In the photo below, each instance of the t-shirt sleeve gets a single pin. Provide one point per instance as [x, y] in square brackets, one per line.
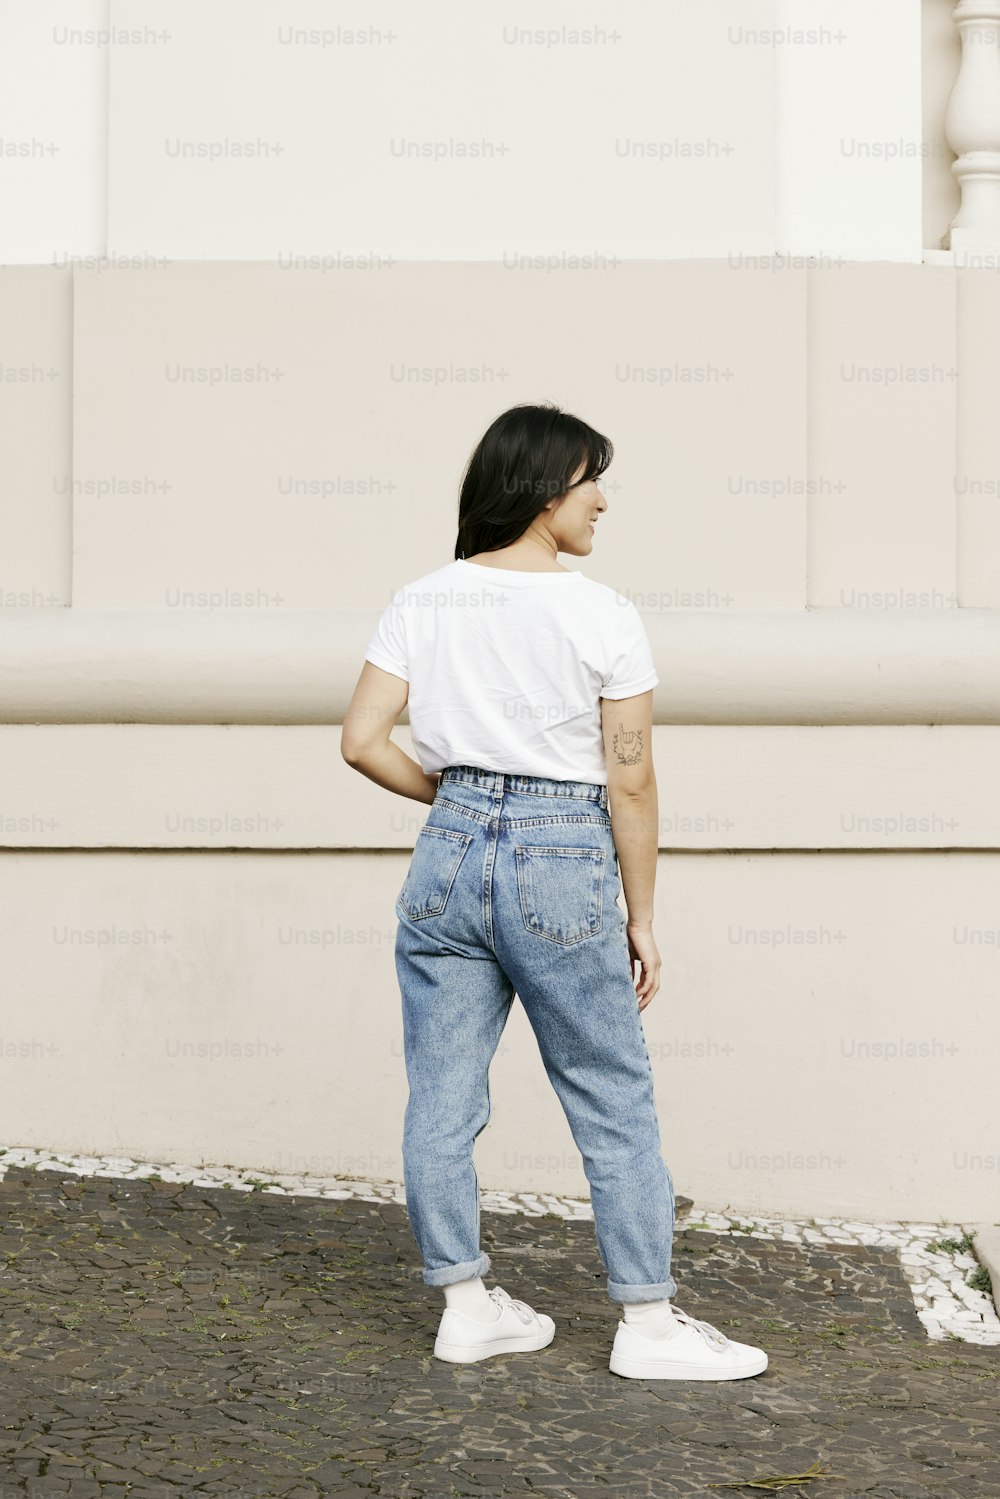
[387, 647]
[631, 668]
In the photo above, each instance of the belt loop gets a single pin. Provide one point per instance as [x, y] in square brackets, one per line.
[604, 798]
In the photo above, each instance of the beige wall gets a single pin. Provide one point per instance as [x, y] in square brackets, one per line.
[821, 1044]
[785, 439]
[196, 948]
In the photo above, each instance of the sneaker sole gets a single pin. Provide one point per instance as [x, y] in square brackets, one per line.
[638, 1368]
[456, 1353]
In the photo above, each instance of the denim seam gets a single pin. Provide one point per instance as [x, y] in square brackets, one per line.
[433, 831]
[443, 801]
[556, 822]
[512, 791]
[570, 820]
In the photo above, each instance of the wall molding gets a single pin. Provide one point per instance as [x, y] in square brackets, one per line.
[819, 666]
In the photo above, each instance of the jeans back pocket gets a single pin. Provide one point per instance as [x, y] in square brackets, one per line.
[437, 854]
[561, 891]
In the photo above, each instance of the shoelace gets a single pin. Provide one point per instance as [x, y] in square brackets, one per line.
[713, 1337]
[500, 1296]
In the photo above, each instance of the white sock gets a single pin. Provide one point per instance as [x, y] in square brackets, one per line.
[653, 1319]
[472, 1299]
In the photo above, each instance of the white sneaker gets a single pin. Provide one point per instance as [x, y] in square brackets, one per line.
[518, 1329]
[697, 1350]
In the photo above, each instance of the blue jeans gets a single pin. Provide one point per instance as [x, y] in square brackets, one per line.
[513, 887]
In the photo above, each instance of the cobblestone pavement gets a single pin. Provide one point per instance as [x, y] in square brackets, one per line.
[162, 1338]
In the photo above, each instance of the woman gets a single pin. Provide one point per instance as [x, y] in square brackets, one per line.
[530, 691]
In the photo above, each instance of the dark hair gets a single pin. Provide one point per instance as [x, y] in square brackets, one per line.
[526, 458]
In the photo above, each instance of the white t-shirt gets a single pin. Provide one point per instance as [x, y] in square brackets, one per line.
[507, 669]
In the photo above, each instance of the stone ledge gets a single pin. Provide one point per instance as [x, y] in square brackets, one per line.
[277, 666]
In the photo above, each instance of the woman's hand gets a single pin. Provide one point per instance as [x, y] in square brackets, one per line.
[642, 949]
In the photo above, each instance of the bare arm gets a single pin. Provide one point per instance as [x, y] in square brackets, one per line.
[379, 698]
[633, 801]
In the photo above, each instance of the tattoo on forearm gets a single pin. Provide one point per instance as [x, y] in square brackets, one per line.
[628, 745]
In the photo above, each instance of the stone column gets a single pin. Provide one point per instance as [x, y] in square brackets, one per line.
[972, 127]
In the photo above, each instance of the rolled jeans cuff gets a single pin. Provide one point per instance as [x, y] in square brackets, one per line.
[448, 1274]
[660, 1291]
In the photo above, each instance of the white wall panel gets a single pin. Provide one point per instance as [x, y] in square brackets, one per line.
[849, 129]
[656, 140]
[53, 129]
[820, 98]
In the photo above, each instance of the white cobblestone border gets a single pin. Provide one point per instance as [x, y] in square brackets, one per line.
[946, 1305]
